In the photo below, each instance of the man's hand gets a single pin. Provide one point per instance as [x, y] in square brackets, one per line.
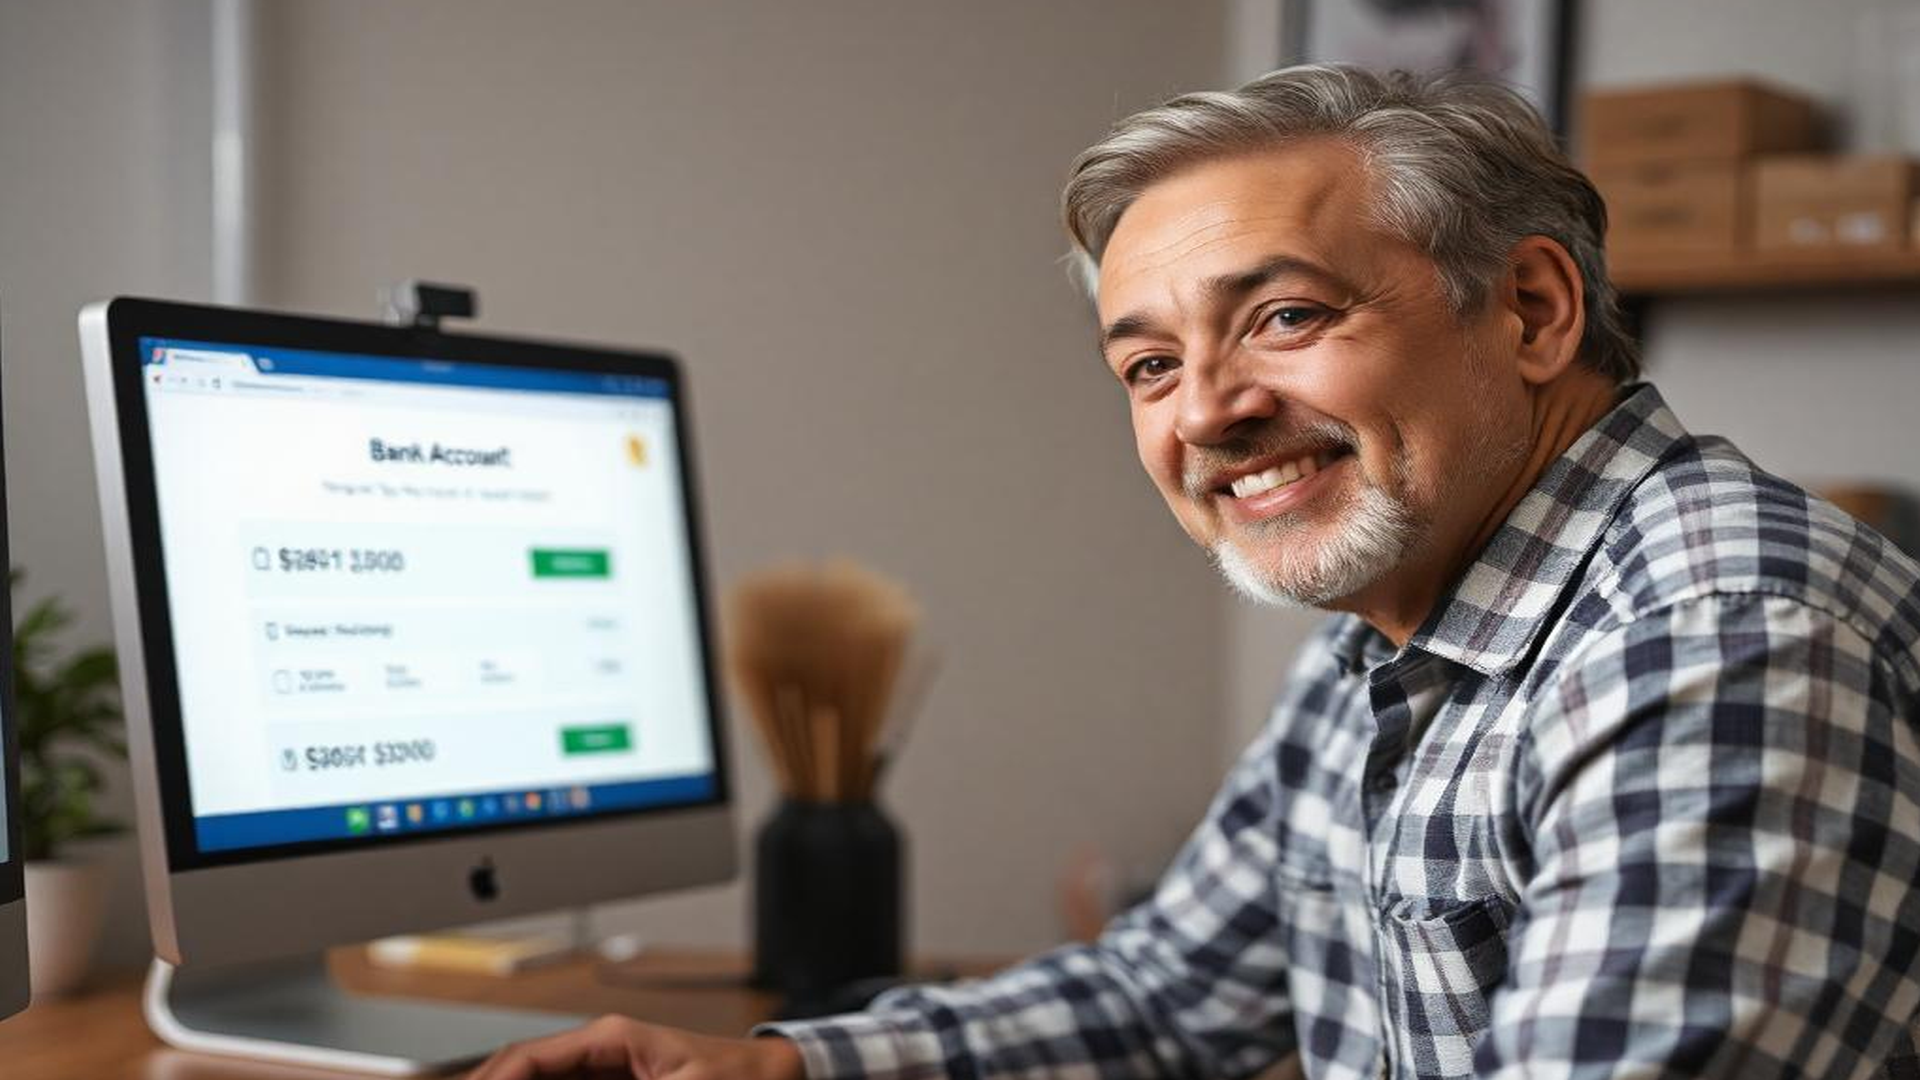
[616, 1048]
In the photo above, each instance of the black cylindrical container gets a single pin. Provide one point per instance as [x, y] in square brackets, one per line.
[827, 904]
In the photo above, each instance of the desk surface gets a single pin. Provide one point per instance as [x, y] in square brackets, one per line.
[100, 1035]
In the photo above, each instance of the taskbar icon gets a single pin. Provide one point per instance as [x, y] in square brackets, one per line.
[464, 810]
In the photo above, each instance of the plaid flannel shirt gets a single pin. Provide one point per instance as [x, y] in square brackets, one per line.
[1638, 800]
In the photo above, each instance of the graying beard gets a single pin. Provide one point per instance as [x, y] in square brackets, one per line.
[1376, 535]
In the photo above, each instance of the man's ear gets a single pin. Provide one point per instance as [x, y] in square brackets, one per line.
[1545, 294]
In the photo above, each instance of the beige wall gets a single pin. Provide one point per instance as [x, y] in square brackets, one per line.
[102, 149]
[841, 213]
[103, 173]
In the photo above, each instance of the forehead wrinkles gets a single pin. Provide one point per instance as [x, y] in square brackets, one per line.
[1196, 232]
[1145, 279]
[1273, 203]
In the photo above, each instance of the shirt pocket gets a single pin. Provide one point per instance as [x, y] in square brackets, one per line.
[1439, 963]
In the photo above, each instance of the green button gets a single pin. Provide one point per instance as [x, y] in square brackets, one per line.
[572, 562]
[599, 739]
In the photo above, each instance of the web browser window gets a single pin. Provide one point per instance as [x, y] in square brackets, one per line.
[409, 595]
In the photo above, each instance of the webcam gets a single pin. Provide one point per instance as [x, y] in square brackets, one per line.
[423, 304]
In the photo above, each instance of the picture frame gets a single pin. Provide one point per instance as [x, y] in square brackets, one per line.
[1526, 43]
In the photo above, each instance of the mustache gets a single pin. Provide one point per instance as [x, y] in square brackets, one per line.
[1270, 441]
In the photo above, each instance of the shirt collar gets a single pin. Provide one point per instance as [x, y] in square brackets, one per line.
[1494, 614]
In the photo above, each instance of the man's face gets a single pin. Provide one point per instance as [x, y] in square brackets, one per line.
[1302, 394]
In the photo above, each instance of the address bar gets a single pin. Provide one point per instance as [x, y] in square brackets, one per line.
[239, 360]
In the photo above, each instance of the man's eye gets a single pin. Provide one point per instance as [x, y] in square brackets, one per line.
[1291, 316]
[1149, 367]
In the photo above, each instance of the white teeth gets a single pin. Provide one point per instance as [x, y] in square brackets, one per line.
[1280, 475]
[1254, 484]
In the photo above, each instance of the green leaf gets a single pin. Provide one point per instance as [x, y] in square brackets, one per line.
[69, 720]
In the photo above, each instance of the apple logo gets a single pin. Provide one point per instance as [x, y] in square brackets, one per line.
[481, 880]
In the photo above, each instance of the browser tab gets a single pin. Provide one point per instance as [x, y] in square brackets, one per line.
[234, 361]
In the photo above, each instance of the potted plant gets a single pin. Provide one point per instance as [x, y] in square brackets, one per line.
[67, 712]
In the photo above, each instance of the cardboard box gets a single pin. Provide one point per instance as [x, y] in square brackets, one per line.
[1687, 209]
[1828, 205]
[1713, 121]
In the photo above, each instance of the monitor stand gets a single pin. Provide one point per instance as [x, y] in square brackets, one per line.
[291, 1011]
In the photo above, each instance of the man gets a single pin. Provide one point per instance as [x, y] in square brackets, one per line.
[1608, 767]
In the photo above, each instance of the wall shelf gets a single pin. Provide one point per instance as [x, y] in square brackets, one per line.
[1645, 278]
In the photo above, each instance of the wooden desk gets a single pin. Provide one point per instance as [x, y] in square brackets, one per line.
[100, 1035]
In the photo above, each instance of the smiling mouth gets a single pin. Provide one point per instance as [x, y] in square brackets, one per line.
[1287, 472]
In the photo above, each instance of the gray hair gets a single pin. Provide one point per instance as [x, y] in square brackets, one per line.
[1462, 167]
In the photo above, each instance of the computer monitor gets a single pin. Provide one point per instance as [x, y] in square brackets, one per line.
[14, 988]
[414, 633]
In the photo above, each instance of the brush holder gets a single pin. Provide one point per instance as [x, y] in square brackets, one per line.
[827, 899]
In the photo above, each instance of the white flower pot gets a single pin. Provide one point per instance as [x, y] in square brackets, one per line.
[66, 900]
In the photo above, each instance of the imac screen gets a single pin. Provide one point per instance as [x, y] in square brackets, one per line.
[410, 596]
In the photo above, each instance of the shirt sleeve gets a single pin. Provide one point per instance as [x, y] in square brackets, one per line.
[1720, 819]
[1189, 983]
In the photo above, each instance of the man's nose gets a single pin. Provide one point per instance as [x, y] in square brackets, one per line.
[1216, 395]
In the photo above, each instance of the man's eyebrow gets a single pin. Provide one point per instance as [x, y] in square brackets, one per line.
[1233, 286]
[1223, 289]
[1126, 326]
